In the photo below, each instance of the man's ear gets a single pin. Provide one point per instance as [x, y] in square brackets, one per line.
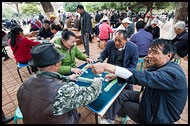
[169, 56]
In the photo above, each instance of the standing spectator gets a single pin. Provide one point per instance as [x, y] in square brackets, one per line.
[60, 17]
[41, 18]
[171, 15]
[129, 12]
[105, 29]
[64, 19]
[68, 22]
[85, 26]
[142, 39]
[154, 29]
[76, 22]
[45, 31]
[97, 17]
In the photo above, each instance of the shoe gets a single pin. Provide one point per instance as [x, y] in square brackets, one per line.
[8, 119]
[104, 121]
[6, 58]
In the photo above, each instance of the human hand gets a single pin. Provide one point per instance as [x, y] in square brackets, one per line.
[97, 68]
[76, 71]
[73, 76]
[48, 39]
[110, 76]
[88, 60]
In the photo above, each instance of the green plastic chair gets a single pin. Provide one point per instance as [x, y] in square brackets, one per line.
[176, 61]
[18, 115]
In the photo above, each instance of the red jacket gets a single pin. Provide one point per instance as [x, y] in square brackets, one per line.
[22, 53]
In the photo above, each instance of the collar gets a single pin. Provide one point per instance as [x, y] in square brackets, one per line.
[54, 74]
[153, 68]
[120, 49]
[178, 36]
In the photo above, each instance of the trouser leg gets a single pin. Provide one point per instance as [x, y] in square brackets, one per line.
[86, 44]
[119, 103]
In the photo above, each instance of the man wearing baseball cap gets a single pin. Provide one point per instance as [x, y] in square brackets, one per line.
[154, 29]
[48, 97]
[128, 26]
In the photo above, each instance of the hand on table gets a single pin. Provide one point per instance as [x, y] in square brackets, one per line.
[73, 76]
[76, 71]
[110, 76]
[97, 68]
[88, 60]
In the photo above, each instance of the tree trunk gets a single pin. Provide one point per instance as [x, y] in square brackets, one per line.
[181, 14]
[48, 9]
[19, 14]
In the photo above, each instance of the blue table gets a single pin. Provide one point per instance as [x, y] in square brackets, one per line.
[105, 99]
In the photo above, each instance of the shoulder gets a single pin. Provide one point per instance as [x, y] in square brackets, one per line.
[131, 44]
[110, 42]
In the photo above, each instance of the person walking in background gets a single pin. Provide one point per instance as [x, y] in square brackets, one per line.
[85, 26]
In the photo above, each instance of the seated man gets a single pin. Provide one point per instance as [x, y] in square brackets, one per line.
[50, 98]
[121, 52]
[181, 40]
[45, 31]
[128, 26]
[142, 39]
[153, 28]
[165, 93]
[66, 45]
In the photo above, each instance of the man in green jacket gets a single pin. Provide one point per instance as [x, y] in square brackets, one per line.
[66, 45]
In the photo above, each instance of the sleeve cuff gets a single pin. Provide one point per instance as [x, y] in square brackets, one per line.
[122, 72]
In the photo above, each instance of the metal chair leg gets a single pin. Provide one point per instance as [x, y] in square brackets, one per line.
[29, 70]
[19, 74]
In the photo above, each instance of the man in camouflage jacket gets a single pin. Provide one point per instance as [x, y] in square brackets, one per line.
[50, 98]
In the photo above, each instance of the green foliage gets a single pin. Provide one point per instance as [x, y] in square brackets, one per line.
[71, 6]
[30, 8]
[7, 12]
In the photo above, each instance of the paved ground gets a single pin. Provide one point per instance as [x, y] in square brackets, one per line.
[11, 82]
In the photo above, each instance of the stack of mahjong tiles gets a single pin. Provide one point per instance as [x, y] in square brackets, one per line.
[109, 88]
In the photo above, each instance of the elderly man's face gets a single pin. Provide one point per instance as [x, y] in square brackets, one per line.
[157, 58]
[178, 30]
[153, 25]
[119, 41]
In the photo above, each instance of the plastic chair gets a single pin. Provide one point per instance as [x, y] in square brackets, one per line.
[140, 61]
[176, 60]
[19, 65]
[18, 115]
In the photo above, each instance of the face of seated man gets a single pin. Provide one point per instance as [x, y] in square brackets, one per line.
[157, 58]
[119, 41]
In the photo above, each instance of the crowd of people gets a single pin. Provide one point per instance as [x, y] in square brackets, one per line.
[51, 95]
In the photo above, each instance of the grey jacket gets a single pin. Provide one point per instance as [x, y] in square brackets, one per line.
[85, 24]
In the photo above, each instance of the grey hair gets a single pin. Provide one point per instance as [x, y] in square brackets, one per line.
[180, 24]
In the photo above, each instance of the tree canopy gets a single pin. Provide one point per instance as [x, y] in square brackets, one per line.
[30, 8]
[71, 6]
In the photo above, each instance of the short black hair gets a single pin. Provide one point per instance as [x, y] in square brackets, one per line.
[47, 21]
[125, 36]
[58, 11]
[140, 24]
[80, 7]
[66, 34]
[168, 46]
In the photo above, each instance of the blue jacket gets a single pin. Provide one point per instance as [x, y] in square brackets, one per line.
[142, 39]
[130, 56]
[165, 93]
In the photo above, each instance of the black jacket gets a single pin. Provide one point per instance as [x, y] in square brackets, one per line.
[155, 32]
[181, 44]
[85, 19]
[45, 33]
